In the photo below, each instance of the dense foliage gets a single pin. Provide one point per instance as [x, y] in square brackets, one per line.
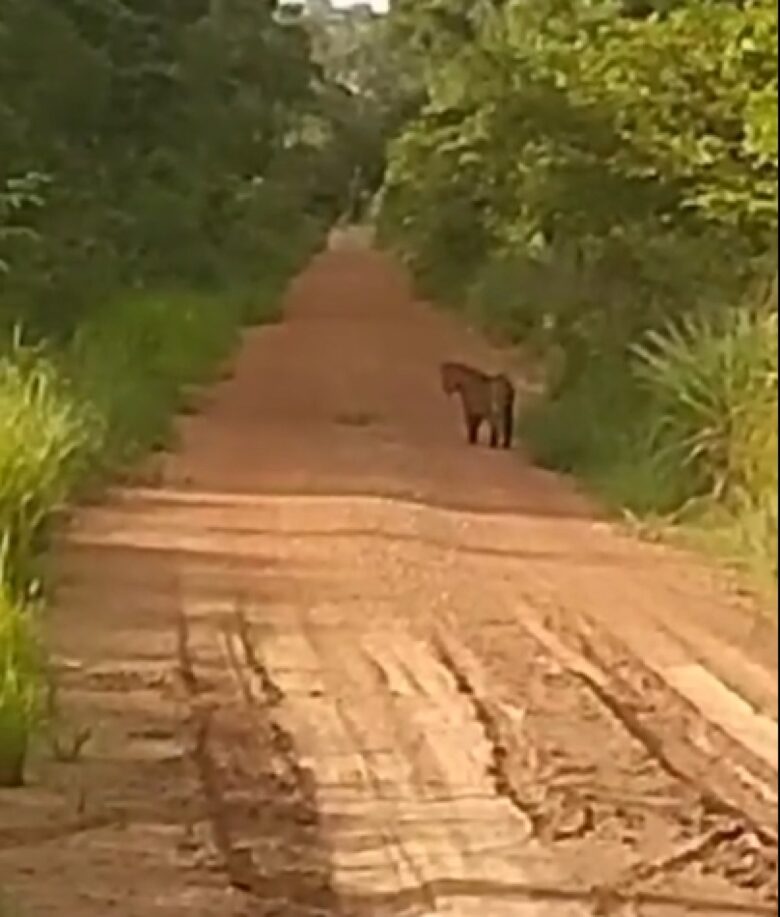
[145, 142]
[622, 145]
[599, 178]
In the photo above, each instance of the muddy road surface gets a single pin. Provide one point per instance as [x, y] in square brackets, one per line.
[331, 661]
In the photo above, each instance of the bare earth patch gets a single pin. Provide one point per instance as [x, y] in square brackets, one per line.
[335, 662]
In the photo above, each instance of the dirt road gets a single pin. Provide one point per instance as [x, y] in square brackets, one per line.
[337, 663]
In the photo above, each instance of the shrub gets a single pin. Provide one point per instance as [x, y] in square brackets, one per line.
[599, 425]
[714, 386]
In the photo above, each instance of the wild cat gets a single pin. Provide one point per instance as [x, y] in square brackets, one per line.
[484, 398]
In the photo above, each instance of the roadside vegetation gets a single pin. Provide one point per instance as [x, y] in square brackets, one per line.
[150, 155]
[597, 182]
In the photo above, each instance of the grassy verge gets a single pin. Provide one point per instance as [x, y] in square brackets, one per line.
[681, 431]
[74, 413]
[132, 362]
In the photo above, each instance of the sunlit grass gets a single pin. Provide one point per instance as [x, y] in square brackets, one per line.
[714, 388]
[47, 439]
[20, 683]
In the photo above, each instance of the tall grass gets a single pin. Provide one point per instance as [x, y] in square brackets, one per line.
[683, 426]
[598, 425]
[132, 360]
[46, 440]
[714, 385]
[20, 684]
[714, 388]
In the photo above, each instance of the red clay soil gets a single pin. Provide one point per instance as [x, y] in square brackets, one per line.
[336, 662]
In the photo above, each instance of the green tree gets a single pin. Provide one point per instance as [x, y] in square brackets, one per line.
[163, 129]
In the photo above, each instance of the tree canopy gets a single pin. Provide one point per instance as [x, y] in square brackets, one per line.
[641, 135]
[154, 144]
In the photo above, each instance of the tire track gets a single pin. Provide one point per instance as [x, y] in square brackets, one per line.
[259, 800]
[433, 836]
